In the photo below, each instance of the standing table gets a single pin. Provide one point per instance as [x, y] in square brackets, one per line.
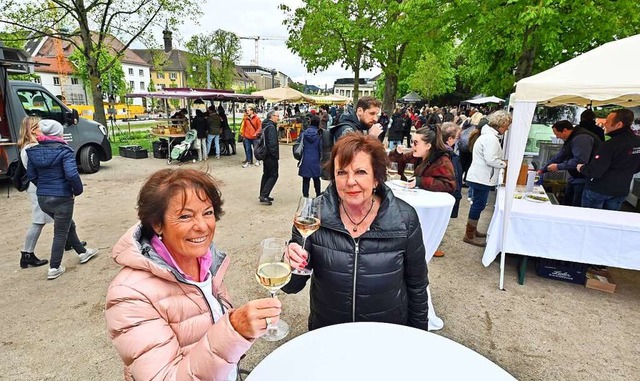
[434, 210]
[374, 352]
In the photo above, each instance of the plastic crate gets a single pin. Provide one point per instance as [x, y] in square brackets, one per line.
[565, 271]
[133, 152]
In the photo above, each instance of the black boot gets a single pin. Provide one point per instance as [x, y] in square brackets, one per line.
[30, 259]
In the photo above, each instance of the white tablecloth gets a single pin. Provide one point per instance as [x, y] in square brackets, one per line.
[372, 352]
[434, 211]
[584, 235]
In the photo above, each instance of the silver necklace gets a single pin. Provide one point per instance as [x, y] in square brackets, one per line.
[355, 225]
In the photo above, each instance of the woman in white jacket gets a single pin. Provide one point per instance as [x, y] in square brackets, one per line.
[482, 176]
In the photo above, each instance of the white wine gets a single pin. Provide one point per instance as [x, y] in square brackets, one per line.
[306, 225]
[273, 276]
[393, 172]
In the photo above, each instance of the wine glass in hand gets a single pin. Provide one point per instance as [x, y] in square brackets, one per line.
[273, 272]
[307, 221]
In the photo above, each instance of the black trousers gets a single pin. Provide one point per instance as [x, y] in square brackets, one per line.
[465, 162]
[305, 186]
[269, 176]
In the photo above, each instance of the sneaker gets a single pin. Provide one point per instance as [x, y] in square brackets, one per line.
[84, 257]
[268, 198]
[54, 273]
[257, 163]
[245, 165]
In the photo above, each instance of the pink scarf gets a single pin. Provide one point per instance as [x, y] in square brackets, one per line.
[45, 138]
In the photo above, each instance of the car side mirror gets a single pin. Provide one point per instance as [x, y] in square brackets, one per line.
[72, 118]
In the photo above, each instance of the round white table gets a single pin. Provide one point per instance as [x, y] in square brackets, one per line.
[434, 211]
[372, 352]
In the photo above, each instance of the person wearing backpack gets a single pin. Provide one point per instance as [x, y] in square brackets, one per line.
[28, 132]
[309, 167]
[53, 169]
[396, 129]
[270, 167]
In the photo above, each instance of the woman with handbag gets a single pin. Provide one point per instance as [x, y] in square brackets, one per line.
[309, 165]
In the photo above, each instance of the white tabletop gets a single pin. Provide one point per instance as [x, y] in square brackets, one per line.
[584, 235]
[434, 211]
[372, 352]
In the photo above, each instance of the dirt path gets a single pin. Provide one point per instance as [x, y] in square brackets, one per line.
[55, 330]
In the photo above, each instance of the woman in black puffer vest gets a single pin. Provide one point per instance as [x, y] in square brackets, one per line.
[368, 257]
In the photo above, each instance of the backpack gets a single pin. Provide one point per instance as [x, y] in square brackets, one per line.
[260, 146]
[298, 147]
[463, 142]
[18, 174]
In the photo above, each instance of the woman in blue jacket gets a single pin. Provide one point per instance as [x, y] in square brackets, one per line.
[53, 169]
[309, 166]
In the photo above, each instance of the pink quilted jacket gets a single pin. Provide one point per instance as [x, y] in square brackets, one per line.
[162, 328]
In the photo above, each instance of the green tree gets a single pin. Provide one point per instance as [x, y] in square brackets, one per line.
[323, 32]
[432, 75]
[110, 78]
[200, 48]
[221, 50]
[504, 41]
[93, 23]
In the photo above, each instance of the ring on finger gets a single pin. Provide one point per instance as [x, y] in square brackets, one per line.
[268, 320]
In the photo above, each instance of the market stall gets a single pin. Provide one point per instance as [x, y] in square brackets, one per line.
[603, 76]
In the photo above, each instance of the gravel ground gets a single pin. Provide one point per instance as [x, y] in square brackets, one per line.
[55, 330]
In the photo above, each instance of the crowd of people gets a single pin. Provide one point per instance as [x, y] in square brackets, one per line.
[368, 256]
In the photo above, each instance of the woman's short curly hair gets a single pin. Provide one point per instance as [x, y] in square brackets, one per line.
[500, 118]
[164, 184]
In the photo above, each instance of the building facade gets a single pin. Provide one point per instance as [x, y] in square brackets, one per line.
[266, 78]
[345, 87]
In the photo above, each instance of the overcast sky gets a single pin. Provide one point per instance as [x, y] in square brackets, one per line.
[248, 18]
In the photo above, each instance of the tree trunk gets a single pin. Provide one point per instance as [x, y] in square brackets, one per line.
[356, 86]
[528, 56]
[96, 96]
[390, 91]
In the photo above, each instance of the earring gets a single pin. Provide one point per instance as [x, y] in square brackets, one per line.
[159, 236]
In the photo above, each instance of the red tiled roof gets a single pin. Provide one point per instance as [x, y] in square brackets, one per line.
[67, 66]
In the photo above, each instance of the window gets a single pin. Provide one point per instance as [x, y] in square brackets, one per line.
[130, 71]
[172, 76]
[160, 75]
[37, 80]
[142, 86]
[141, 73]
[41, 104]
[56, 81]
[132, 85]
[74, 81]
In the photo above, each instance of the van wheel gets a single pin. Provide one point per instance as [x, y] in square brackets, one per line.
[89, 159]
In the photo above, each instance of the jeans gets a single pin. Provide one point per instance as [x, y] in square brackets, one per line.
[32, 237]
[248, 149]
[269, 176]
[216, 140]
[591, 199]
[573, 194]
[305, 186]
[61, 210]
[394, 143]
[480, 197]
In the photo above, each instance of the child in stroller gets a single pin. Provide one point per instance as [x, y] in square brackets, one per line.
[182, 151]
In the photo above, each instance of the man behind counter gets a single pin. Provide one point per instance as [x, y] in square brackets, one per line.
[610, 171]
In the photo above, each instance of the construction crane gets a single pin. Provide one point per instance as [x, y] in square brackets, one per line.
[256, 39]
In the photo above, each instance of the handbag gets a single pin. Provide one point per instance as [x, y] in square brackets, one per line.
[298, 146]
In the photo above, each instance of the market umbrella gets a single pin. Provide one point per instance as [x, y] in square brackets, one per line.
[412, 97]
[283, 94]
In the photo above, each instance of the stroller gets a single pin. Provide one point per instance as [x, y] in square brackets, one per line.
[182, 151]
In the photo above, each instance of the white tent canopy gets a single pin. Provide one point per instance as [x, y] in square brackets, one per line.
[605, 75]
[283, 94]
[483, 100]
[411, 97]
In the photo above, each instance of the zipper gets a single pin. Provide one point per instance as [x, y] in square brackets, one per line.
[355, 276]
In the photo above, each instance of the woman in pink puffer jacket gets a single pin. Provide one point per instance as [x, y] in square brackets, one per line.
[168, 313]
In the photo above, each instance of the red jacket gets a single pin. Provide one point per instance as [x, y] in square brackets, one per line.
[251, 127]
[439, 176]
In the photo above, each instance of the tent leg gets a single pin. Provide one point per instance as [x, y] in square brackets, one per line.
[502, 259]
[522, 269]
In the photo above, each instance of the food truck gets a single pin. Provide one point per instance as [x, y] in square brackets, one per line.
[19, 99]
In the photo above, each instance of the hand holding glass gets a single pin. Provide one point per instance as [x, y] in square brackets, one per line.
[273, 272]
[307, 221]
[408, 173]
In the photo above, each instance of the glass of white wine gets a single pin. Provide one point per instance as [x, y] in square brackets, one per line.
[409, 173]
[273, 272]
[307, 221]
[392, 170]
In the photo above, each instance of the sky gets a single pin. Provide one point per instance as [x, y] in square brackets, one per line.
[248, 18]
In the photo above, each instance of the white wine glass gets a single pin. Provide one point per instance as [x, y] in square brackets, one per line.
[393, 170]
[409, 173]
[307, 221]
[273, 272]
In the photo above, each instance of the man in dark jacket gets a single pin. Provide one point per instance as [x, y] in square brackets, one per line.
[364, 120]
[615, 162]
[270, 168]
[579, 147]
